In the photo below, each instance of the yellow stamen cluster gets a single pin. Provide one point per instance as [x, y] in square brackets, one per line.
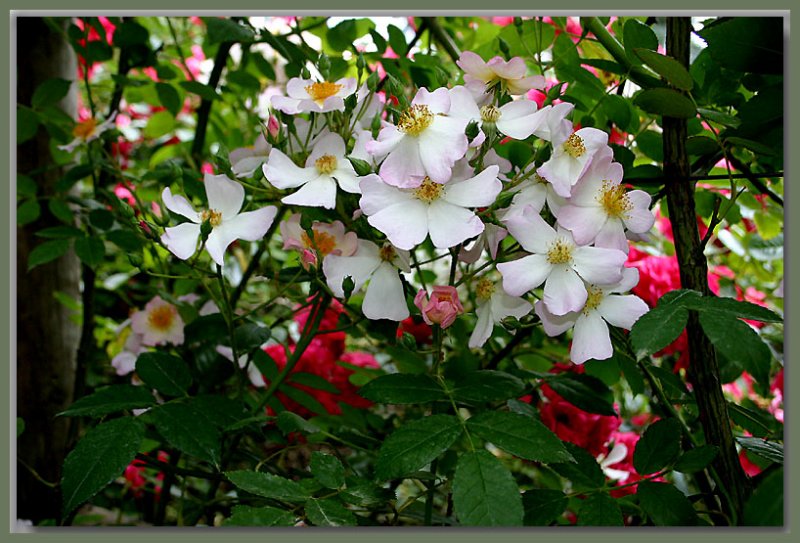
[161, 317]
[414, 120]
[85, 129]
[387, 252]
[326, 164]
[484, 289]
[614, 200]
[428, 191]
[490, 114]
[560, 252]
[322, 90]
[322, 242]
[593, 299]
[212, 216]
[574, 146]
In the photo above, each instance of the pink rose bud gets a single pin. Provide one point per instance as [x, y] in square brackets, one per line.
[273, 126]
[441, 308]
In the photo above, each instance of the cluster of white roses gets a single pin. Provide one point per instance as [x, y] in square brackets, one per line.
[434, 181]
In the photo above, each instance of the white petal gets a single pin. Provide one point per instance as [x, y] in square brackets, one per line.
[524, 274]
[437, 101]
[224, 194]
[630, 278]
[530, 230]
[403, 167]
[590, 339]
[346, 178]
[359, 267]
[282, 173]
[622, 311]
[474, 65]
[503, 306]
[180, 205]
[440, 145]
[483, 327]
[478, 191]
[583, 222]
[181, 240]
[319, 192]
[377, 195]
[331, 144]
[388, 138]
[404, 223]
[597, 265]
[296, 88]
[449, 224]
[564, 291]
[554, 324]
[612, 236]
[246, 166]
[462, 104]
[250, 225]
[285, 104]
[515, 119]
[385, 298]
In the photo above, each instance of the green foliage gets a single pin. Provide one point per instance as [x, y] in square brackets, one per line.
[765, 506]
[110, 399]
[166, 373]
[666, 505]
[486, 386]
[401, 388]
[485, 493]
[267, 485]
[329, 512]
[542, 506]
[658, 447]
[245, 515]
[600, 509]
[327, 469]
[179, 424]
[584, 391]
[416, 444]
[519, 435]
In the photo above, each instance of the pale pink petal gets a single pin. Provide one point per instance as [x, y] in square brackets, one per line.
[583, 222]
[554, 324]
[511, 69]
[612, 236]
[348, 86]
[296, 88]
[553, 125]
[462, 104]
[403, 167]
[319, 192]
[597, 265]
[564, 291]
[180, 205]
[524, 84]
[181, 240]
[639, 219]
[504, 306]
[346, 178]
[437, 101]
[524, 274]
[224, 194]
[622, 311]
[515, 119]
[450, 224]
[251, 225]
[475, 66]
[630, 278]
[440, 146]
[478, 191]
[246, 166]
[388, 138]
[405, 223]
[590, 339]
[282, 173]
[385, 298]
[290, 106]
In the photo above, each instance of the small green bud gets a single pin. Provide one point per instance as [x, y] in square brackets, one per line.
[347, 286]
[324, 65]
[472, 130]
[372, 81]
[408, 341]
[304, 73]
[205, 230]
[136, 260]
[504, 48]
[362, 167]
[350, 103]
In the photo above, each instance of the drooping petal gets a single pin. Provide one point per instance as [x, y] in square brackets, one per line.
[360, 267]
[405, 223]
[224, 194]
[385, 298]
[450, 224]
[524, 274]
[478, 191]
[597, 265]
[180, 205]
[483, 327]
[181, 240]
[475, 66]
[590, 339]
[583, 222]
[554, 324]
[564, 291]
[622, 311]
[282, 173]
[319, 192]
[515, 119]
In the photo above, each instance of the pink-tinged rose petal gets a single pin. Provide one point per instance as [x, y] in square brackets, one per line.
[180, 205]
[388, 138]
[384, 298]
[564, 291]
[330, 144]
[512, 69]
[478, 191]
[524, 274]
[377, 195]
[296, 88]
[553, 324]
[583, 222]
[612, 236]
[531, 231]
[598, 266]
[287, 105]
[449, 224]
[359, 267]
[181, 240]
[524, 84]
[440, 146]
[590, 340]
[437, 101]
[622, 311]
[515, 119]
[403, 166]
[630, 278]
[474, 65]
[462, 104]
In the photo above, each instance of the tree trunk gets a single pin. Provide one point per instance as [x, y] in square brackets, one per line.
[47, 338]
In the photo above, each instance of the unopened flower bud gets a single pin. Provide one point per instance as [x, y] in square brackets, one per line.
[441, 308]
[472, 131]
[504, 48]
[205, 230]
[324, 65]
[361, 167]
[372, 81]
[135, 259]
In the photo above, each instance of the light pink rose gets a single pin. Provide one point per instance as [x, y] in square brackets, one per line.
[441, 308]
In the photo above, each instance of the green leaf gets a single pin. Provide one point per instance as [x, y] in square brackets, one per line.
[130, 33]
[696, 459]
[313, 381]
[755, 420]
[61, 210]
[268, 485]
[701, 145]
[485, 492]
[327, 469]
[406, 361]
[265, 364]
[487, 386]
[204, 91]
[27, 124]
[584, 391]
[50, 92]
[227, 30]
[28, 211]
[47, 251]
[729, 307]
[110, 399]
[291, 422]
[169, 98]
[667, 102]
[179, 424]
[402, 388]
[164, 372]
[159, 124]
[125, 240]
[329, 512]
[637, 35]
[765, 506]
[20, 426]
[245, 515]
[101, 218]
[739, 343]
[397, 41]
[747, 44]
[584, 473]
[542, 506]
[365, 493]
[251, 336]
[90, 250]
[666, 505]
[769, 450]
[658, 447]
[218, 411]
[306, 400]
[99, 458]
[519, 435]
[667, 67]
[26, 186]
[416, 444]
[600, 509]
[661, 325]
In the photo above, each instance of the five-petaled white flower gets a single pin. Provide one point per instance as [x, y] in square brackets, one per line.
[326, 167]
[88, 130]
[158, 323]
[480, 76]
[384, 297]
[590, 337]
[246, 160]
[494, 305]
[571, 158]
[225, 199]
[307, 95]
[407, 216]
[557, 262]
